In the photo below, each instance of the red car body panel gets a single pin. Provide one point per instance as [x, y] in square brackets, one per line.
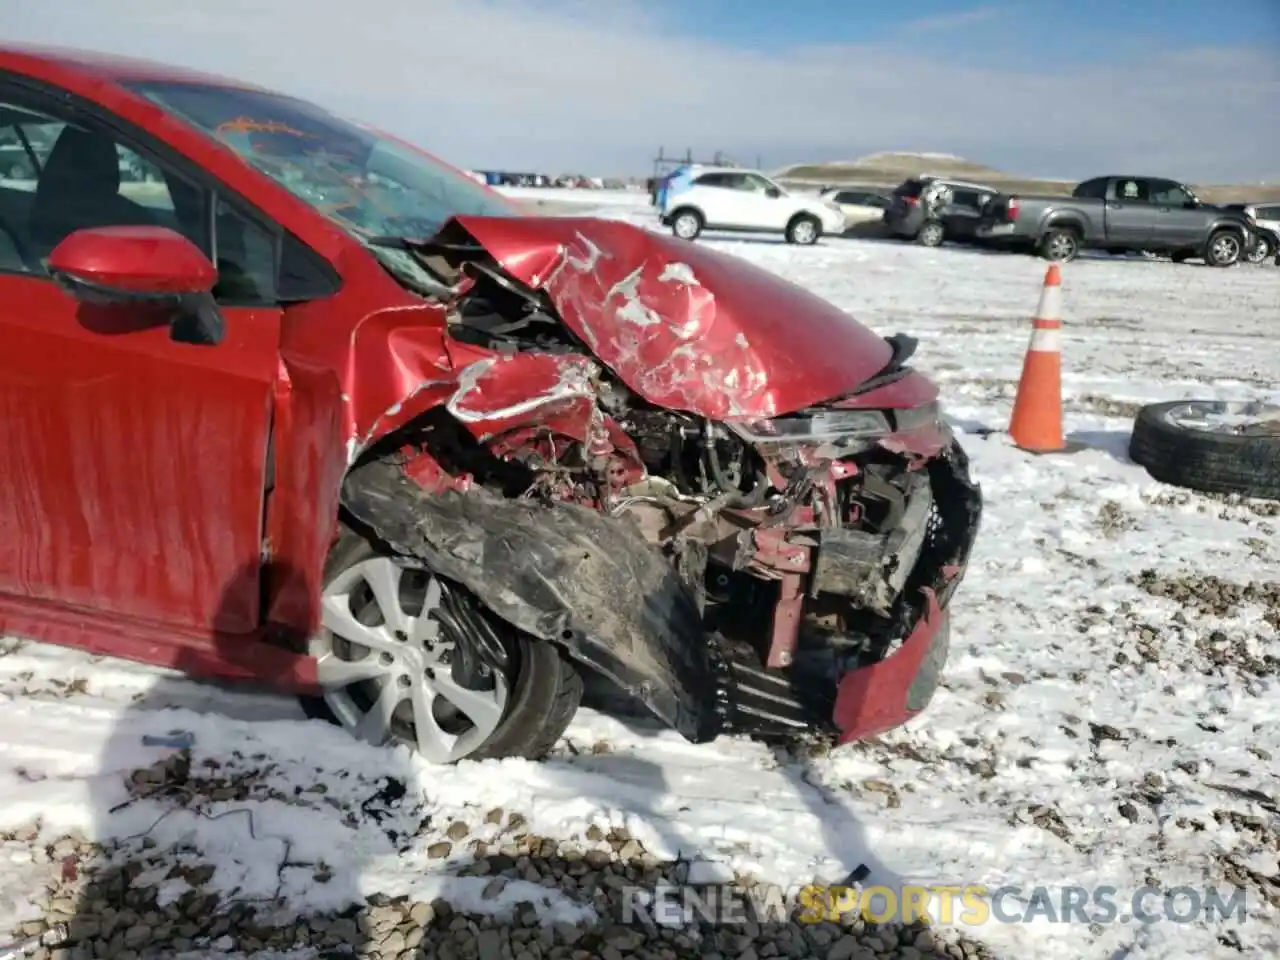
[147, 529]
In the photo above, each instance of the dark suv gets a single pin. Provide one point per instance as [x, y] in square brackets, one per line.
[930, 210]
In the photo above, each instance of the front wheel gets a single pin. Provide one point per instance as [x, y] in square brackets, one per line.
[1223, 249]
[405, 657]
[1262, 251]
[931, 234]
[804, 231]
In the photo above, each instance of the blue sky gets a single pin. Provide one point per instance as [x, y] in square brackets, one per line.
[1085, 30]
[1069, 88]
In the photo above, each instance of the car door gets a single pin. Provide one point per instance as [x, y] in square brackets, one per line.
[1178, 221]
[861, 207]
[773, 206]
[133, 481]
[709, 194]
[1129, 214]
[737, 203]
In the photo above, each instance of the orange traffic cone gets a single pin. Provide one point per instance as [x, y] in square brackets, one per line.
[1036, 425]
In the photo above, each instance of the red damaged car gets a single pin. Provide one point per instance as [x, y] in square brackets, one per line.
[289, 401]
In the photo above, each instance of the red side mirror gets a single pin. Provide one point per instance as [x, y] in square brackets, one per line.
[118, 266]
[132, 263]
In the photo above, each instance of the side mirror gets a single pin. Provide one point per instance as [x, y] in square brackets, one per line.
[772, 193]
[148, 266]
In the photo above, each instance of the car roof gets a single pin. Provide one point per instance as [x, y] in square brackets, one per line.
[954, 183]
[708, 169]
[109, 67]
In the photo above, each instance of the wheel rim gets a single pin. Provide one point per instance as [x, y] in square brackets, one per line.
[1235, 418]
[1062, 246]
[686, 226]
[383, 661]
[1260, 252]
[804, 232]
[1225, 249]
[932, 235]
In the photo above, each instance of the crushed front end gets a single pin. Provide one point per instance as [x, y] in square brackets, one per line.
[698, 480]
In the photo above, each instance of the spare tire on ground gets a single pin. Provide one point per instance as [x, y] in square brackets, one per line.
[1211, 445]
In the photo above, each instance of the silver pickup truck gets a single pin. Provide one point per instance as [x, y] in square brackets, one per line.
[1120, 215]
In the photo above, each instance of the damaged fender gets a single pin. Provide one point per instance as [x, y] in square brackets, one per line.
[557, 573]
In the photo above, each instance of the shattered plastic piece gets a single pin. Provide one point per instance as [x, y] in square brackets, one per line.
[175, 739]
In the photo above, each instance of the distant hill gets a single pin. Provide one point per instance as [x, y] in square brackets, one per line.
[886, 170]
[900, 165]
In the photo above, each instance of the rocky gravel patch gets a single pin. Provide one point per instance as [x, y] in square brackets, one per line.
[112, 903]
[131, 900]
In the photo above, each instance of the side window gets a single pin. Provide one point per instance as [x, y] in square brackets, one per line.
[245, 258]
[75, 175]
[965, 198]
[1268, 213]
[1168, 194]
[59, 174]
[1134, 191]
[711, 180]
[1092, 189]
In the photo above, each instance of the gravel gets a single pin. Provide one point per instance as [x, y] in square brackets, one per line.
[107, 902]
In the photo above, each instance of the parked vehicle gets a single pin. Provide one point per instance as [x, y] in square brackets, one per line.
[931, 210]
[1265, 218]
[858, 206]
[428, 462]
[1120, 215]
[730, 198]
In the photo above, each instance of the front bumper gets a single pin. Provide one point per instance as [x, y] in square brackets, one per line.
[878, 697]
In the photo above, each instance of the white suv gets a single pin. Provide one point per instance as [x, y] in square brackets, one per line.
[727, 198]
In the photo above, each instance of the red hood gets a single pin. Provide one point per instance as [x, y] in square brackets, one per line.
[684, 326]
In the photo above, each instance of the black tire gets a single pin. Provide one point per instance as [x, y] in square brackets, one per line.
[681, 218]
[931, 234]
[1262, 251]
[1224, 248]
[796, 234]
[1059, 244]
[1248, 465]
[545, 687]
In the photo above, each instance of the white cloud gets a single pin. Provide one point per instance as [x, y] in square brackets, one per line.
[949, 21]
[598, 86]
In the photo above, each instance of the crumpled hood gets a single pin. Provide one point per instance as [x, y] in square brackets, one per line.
[683, 325]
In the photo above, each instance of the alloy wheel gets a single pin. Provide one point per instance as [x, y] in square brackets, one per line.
[385, 662]
[1225, 249]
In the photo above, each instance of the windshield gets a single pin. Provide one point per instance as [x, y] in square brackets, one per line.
[370, 184]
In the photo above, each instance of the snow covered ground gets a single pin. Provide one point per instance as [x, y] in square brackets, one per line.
[1110, 715]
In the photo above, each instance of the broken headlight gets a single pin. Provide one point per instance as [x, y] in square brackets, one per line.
[820, 426]
[841, 427]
